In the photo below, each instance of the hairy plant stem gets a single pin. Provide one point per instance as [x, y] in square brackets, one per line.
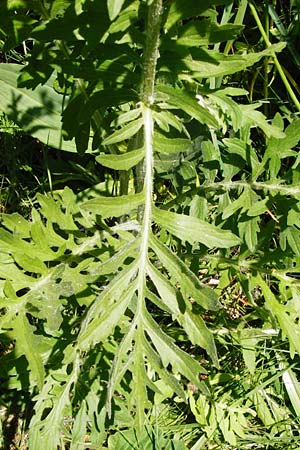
[147, 94]
[149, 70]
[145, 170]
[293, 190]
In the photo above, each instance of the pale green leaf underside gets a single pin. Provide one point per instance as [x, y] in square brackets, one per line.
[192, 229]
[189, 283]
[124, 133]
[162, 144]
[171, 354]
[27, 343]
[101, 327]
[193, 324]
[257, 119]
[182, 100]
[113, 206]
[123, 161]
[114, 7]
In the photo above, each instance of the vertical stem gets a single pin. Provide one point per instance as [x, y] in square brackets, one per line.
[146, 169]
[266, 66]
[147, 93]
[151, 51]
[149, 66]
[276, 62]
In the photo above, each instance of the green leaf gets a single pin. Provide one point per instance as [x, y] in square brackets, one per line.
[98, 323]
[28, 345]
[182, 100]
[126, 18]
[292, 386]
[124, 161]
[101, 100]
[113, 206]
[165, 119]
[54, 398]
[199, 334]
[103, 325]
[37, 112]
[58, 7]
[249, 341]
[248, 230]
[245, 151]
[113, 263]
[193, 324]
[165, 289]
[192, 229]
[243, 202]
[181, 9]
[257, 119]
[170, 354]
[30, 264]
[211, 157]
[114, 7]
[165, 145]
[205, 32]
[203, 63]
[189, 283]
[124, 133]
[288, 326]
[292, 234]
[15, 28]
[227, 109]
[13, 5]
[168, 378]
[258, 208]
[15, 223]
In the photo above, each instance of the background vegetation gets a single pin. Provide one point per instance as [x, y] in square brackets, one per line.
[150, 215]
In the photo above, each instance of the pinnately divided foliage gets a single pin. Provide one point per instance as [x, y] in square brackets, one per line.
[115, 300]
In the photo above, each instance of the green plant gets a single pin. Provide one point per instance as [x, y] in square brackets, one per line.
[106, 294]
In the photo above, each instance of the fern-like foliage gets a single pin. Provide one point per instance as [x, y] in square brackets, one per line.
[85, 282]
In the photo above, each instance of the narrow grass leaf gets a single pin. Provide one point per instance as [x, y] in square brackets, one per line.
[292, 387]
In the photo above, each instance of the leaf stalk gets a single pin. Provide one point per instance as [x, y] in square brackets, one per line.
[276, 62]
